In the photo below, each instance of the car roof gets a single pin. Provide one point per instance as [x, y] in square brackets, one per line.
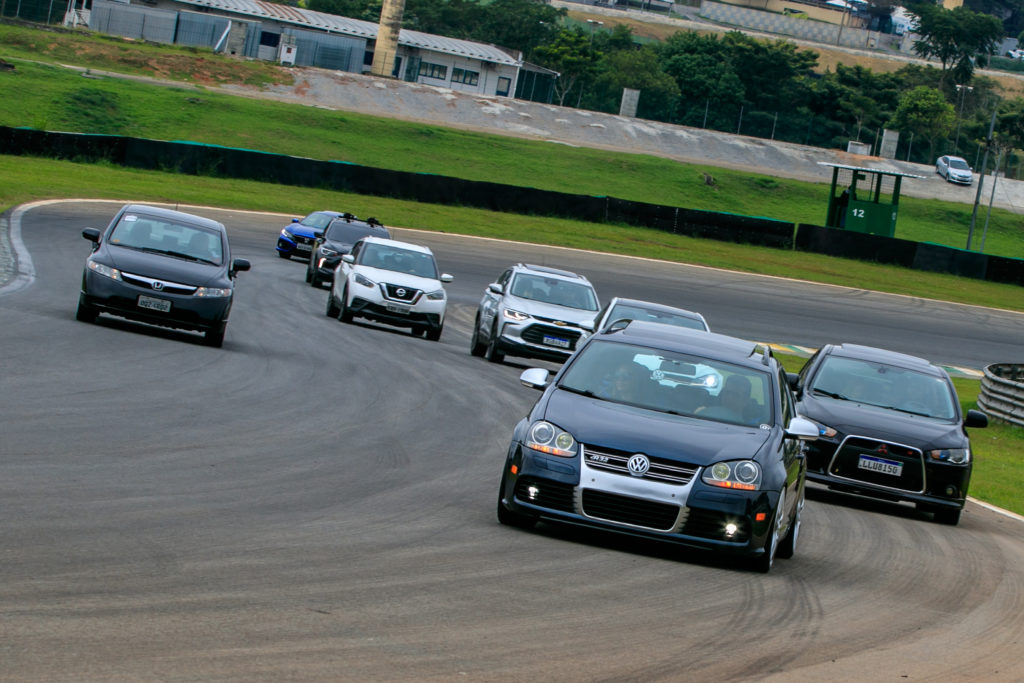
[688, 341]
[872, 353]
[652, 306]
[171, 214]
[951, 158]
[548, 270]
[395, 243]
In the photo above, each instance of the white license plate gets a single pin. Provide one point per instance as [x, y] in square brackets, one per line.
[556, 341]
[867, 462]
[397, 308]
[154, 304]
[303, 247]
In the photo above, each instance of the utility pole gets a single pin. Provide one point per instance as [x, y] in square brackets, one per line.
[981, 175]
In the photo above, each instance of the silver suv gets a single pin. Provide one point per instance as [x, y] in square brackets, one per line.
[534, 312]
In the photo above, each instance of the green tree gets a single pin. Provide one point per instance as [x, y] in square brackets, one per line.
[636, 68]
[959, 38]
[924, 112]
[519, 24]
[573, 56]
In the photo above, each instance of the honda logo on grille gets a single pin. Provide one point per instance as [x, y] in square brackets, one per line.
[158, 285]
[638, 465]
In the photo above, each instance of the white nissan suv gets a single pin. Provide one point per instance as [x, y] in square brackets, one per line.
[390, 282]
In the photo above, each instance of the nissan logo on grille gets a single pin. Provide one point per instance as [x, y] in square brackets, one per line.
[638, 465]
[400, 291]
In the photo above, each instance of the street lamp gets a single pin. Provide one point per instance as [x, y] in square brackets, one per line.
[963, 90]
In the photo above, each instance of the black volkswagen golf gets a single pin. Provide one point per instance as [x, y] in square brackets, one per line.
[668, 433]
[161, 267]
[890, 427]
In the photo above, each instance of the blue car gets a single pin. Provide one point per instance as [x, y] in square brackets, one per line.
[297, 239]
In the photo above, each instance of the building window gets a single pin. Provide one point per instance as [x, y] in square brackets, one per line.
[270, 39]
[465, 77]
[429, 70]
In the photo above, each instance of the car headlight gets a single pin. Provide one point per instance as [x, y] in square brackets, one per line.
[324, 251]
[547, 438]
[364, 281]
[960, 456]
[287, 235]
[105, 271]
[825, 430]
[436, 295]
[513, 314]
[734, 474]
[212, 292]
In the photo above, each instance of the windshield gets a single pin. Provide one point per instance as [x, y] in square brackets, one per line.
[317, 220]
[160, 236]
[555, 291]
[670, 382]
[886, 386]
[388, 257]
[631, 312]
[959, 164]
[350, 233]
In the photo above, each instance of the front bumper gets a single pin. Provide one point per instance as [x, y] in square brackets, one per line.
[425, 314]
[531, 339]
[691, 514]
[959, 180]
[300, 246]
[122, 299]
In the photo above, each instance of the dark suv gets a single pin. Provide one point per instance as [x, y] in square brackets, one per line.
[890, 427]
[628, 438]
[534, 312]
[336, 241]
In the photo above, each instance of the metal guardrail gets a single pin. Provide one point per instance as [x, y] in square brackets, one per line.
[1002, 392]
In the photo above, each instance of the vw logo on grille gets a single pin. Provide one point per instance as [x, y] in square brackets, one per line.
[400, 291]
[638, 465]
[158, 285]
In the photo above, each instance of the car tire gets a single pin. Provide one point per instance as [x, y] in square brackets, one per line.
[86, 313]
[763, 562]
[434, 333]
[214, 336]
[345, 315]
[788, 545]
[492, 353]
[332, 309]
[947, 516]
[509, 518]
[476, 347]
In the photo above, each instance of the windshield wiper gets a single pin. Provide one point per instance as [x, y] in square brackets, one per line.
[582, 392]
[830, 394]
[904, 410]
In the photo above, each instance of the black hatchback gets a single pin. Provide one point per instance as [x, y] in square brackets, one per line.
[336, 241]
[890, 427]
[161, 267]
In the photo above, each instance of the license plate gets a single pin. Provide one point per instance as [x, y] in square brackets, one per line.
[867, 462]
[154, 304]
[397, 308]
[556, 341]
[303, 247]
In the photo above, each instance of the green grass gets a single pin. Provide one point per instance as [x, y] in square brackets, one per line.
[998, 473]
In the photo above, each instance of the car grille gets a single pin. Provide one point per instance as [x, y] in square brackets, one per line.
[612, 507]
[535, 334]
[398, 293]
[711, 524]
[158, 285]
[663, 470]
[546, 493]
[847, 457]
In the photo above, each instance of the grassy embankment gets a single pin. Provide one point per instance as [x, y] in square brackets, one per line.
[55, 98]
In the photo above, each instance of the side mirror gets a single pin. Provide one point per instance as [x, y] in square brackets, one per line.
[496, 288]
[348, 258]
[295, 220]
[535, 378]
[793, 379]
[91, 234]
[446, 278]
[976, 418]
[802, 428]
[238, 265]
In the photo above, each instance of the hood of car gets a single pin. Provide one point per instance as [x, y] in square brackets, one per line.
[167, 268]
[301, 230]
[625, 428]
[427, 284]
[540, 309]
[850, 417]
[340, 247]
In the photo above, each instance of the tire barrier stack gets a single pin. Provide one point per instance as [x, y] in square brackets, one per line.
[1002, 392]
[192, 158]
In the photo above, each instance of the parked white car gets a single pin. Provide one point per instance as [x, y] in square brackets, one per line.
[954, 169]
[392, 282]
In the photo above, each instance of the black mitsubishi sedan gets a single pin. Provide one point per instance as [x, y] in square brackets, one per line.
[890, 427]
[628, 438]
[161, 267]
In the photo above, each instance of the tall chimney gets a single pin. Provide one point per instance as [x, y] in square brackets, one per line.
[387, 38]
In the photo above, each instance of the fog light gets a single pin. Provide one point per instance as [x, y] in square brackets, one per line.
[532, 492]
[950, 491]
[730, 529]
